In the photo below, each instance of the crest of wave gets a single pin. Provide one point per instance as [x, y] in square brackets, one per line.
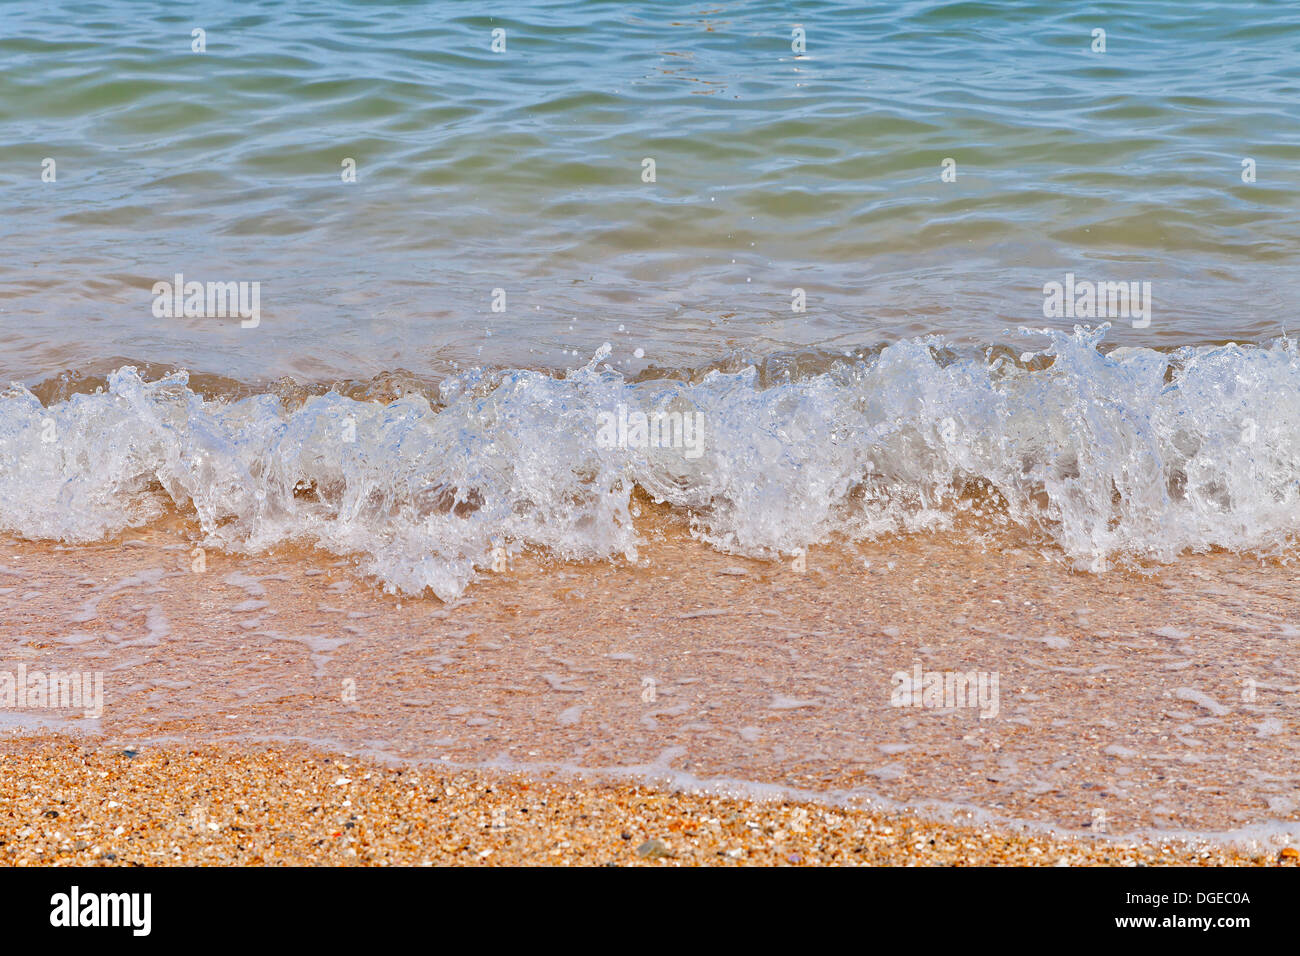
[1134, 454]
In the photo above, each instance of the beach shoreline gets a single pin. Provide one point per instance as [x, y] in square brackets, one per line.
[575, 434]
[1141, 706]
[81, 803]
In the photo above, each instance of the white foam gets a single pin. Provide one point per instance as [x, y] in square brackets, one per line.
[1135, 455]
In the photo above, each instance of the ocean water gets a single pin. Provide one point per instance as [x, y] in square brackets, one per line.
[854, 213]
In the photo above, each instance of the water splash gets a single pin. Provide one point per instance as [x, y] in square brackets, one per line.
[1133, 455]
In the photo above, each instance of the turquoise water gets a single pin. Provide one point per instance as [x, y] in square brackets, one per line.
[522, 170]
[900, 397]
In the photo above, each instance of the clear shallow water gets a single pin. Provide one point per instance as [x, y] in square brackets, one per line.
[522, 170]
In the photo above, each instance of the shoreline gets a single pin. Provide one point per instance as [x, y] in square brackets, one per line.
[70, 803]
[1121, 699]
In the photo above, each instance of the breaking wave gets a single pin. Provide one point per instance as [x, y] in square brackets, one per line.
[1131, 455]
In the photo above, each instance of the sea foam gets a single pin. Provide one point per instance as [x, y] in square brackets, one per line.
[1130, 456]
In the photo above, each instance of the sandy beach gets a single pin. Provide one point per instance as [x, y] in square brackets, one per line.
[577, 434]
[66, 803]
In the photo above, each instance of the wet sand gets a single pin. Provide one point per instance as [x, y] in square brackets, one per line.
[1133, 706]
[63, 804]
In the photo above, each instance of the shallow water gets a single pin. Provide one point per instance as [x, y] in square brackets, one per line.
[1111, 704]
[1103, 510]
[522, 171]
[370, 400]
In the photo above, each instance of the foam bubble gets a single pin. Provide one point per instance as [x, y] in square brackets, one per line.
[1131, 455]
